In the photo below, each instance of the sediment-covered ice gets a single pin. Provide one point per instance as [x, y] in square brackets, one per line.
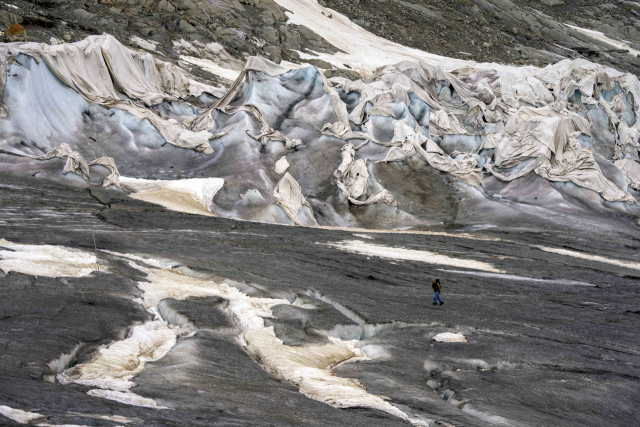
[112, 368]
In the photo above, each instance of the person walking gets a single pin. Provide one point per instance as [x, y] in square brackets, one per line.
[436, 289]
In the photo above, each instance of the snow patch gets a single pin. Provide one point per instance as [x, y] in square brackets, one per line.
[115, 365]
[450, 337]
[398, 254]
[212, 67]
[18, 415]
[600, 36]
[145, 44]
[361, 50]
[125, 397]
[376, 352]
[45, 260]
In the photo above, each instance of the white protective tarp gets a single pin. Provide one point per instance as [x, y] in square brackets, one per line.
[97, 65]
[551, 139]
[77, 164]
[410, 142]
[631, 170]
[289, 197]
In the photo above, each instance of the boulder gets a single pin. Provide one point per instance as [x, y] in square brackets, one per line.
[83, 14]
[273, 53]
[15, 33]
[270, 34]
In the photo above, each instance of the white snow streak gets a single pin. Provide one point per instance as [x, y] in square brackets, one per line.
[18, 415]
[597, 258]
[519, 278]
[364, 51]
[600, 36]
[212, 67]
[388, 252]
[450, 337]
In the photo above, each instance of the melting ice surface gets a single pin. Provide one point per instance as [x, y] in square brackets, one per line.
[114, 366]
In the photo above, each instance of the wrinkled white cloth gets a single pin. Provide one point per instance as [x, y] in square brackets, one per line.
[631, 170]
[77, 164]
[114, 176]
[95, 66]
[551, 139]
[347, 153]
[267, 133]
[289, 197]
[465, 169]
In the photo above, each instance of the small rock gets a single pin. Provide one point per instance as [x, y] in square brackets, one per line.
[319, 63]
[308, 33]
[83, 14]
[270, 34]
[15, 33]
[185, 27]
[274, 53]
[486, 44]
[166, 5]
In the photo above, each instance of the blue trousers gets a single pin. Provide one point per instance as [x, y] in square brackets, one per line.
[436, 297]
